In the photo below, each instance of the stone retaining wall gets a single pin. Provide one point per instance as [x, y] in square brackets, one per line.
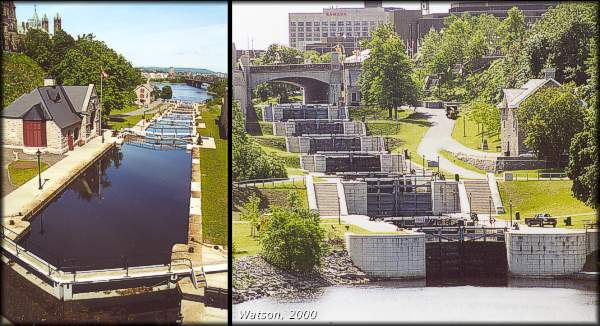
[551, 254]
[388, 255]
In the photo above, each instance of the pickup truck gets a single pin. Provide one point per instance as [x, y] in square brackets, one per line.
[541, 220]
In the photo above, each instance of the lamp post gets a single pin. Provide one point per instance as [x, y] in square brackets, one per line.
[464, 126]
[510, 209]
[39, 154]
[490, 206]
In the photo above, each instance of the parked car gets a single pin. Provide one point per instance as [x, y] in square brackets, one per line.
[541, 220]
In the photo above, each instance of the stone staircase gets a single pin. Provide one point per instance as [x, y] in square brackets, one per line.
[327, 199]
[479, 191]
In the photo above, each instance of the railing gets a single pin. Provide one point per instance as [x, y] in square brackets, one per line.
[291, 67]
[275, 183]
[463, 233]
[534, 176]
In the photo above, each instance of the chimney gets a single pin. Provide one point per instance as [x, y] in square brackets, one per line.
[549, 73]
[49, 81]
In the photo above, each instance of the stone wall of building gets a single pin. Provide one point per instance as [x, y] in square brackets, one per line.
[12, 132]
[388, 255]
[55, 138]
[555, 252]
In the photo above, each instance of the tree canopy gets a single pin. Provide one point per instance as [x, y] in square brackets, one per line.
[83, 64]
[38, 46]
[20, 75]
[550, 118]
[166, 92]
[386, 76]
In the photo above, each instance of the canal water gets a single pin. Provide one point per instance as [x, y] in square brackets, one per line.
[184, 92]
[499, 300]
[129, 208]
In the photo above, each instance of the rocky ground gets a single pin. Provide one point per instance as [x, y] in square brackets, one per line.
[255, 278]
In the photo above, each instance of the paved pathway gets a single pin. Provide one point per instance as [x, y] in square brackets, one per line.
[9, 157]
[363, 222]
[439, 136]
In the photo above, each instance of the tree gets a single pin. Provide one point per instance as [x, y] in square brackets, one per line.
[249, 161]
[561, 39]
[20, 75]
[251, 213]
[62, 42]
[83, 63]
[311, 56]
[155, 92]
[584, 162]
[293, 240]
[166, 92]
[38, 46]
[551, 118]
[485, 114]
[512, 29]
[386, 76]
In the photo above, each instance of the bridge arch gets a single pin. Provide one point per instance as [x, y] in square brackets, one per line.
[314, 90]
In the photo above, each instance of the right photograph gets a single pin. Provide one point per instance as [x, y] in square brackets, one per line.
[415, 161]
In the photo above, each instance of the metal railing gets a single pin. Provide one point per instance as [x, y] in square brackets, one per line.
[274, 183]
[534, 176]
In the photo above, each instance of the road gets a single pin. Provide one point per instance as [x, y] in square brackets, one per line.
[439, 137]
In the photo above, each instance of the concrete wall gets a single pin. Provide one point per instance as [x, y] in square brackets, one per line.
[313, 163]
[354, 128]
[445, 197]
[356, 197]
[267, 113]
[555, 252]
[372, 144]
[591, 240]
[388, 255]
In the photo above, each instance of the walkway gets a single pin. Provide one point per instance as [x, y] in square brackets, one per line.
[439, 137]
[372, 226]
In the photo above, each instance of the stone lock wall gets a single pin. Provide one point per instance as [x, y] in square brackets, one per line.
[553, 253]
[356, 197]
[12, 132]
[445, 197]
[279, 128]
[388, 255]
[313, 163]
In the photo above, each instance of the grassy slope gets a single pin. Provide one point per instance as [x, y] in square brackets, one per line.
[449, 156]
[473, 137]
[553, 197]
[19, 176]
[214, 165]
[127, 122]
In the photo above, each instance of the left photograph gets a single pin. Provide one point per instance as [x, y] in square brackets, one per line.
[115, 162]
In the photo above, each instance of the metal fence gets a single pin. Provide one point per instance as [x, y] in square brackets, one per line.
[274, 183]
[534, 176]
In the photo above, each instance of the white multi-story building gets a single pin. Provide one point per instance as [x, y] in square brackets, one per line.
[307, 28]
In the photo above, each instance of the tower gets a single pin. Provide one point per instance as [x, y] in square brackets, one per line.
[57, 23]
[45, 23]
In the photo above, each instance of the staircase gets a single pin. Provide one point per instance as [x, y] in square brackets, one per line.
[479, 192]
[327, 199]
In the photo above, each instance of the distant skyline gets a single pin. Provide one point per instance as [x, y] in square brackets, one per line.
[261, 24]
[177, 34]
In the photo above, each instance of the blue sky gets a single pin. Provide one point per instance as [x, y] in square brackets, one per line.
[178, 34]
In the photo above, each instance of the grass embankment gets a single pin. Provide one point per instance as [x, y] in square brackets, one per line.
[125, 109]
[22, 171]
[214, 165]
[275, 145]
[473, 136]
[118, 123]
[552, 197]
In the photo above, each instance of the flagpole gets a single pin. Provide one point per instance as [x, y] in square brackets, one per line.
[101, 103]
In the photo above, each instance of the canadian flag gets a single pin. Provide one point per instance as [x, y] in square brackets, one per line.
[103, 74]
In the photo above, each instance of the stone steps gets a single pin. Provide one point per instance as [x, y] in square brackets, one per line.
[479, 191]
[327, 199]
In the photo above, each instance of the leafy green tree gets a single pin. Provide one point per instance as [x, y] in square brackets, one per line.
[82, 65]
[249, 160]
[561, 39]
[386, 76]
[293, 239]
[512, 29]
[20, 75]
[62, 42]
[325, 57]
[251, 213]
[311, 56]
[584, 161]
[166, 92]
[278, 54]
[485, 114]
[551, 118]
[38, 46]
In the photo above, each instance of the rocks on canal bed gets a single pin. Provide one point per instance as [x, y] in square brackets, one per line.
[255, 278]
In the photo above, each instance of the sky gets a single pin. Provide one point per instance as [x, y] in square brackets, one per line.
[252, 29]
[164, 34]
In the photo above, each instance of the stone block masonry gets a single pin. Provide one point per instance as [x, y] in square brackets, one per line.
[388, 255]
[545, 252]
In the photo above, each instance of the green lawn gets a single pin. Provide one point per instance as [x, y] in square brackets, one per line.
[123, 122]
[553, 197]
[246, 245]
[214, 165]
[473, 136]
[18, 176]
[291, 160]
[125, 109]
